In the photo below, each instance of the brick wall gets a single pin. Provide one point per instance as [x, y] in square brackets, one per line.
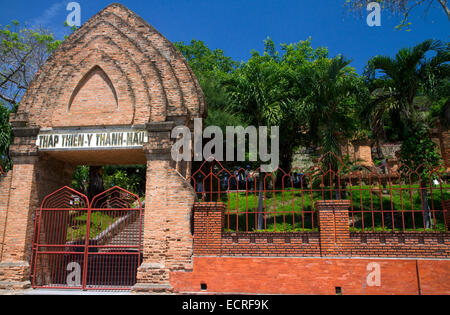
[209, 239]
[5, 185]
[431, 245]
[167, 235]
[358, 151]
[313, 263]
[271, 244]
[333, 240]
[333, 223]
[314, 276]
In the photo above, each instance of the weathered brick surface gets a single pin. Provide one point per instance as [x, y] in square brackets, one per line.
[313, 276]
[5, 185]
[271, 244]
[333, 223]
[115, 70]
[31, 180]
[168, 243]
[208, 225]
[359, 151]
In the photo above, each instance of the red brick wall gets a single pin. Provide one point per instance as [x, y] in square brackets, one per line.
[333, 240]
[167, 237]
[333, 223]
[31, 180]
[429, 245]
[209, 239]
[271, 244]
[284, 263]
[434, 276]
[313, 276]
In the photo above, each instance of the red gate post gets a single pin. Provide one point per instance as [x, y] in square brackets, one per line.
[334, 227]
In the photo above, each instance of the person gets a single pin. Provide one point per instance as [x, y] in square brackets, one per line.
[383, 166]
[200, 193]
[248, 178]
[232, 181]
[225, 182]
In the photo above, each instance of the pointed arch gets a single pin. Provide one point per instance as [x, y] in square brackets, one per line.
[88, 77]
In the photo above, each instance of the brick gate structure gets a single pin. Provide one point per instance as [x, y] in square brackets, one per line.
[109, 95]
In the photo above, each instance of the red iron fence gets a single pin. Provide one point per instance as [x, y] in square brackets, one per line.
[82, 245]
[389, 200]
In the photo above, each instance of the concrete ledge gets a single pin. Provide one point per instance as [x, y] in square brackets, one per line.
[14, 285]
[14, 264]
[152, 266]
[160, 126]
[152, 288]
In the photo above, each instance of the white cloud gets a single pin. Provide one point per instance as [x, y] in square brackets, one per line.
[47, 18]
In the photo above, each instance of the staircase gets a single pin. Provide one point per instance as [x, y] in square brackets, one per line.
[123, 232]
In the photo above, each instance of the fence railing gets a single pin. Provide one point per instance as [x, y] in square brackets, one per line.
[389, 200]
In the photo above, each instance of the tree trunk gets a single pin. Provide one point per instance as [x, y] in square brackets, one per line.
[380, 154]
[96, 185]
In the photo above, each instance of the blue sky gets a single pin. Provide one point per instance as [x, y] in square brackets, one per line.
[238, 26]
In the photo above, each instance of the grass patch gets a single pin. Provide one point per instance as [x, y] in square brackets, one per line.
[77, 229]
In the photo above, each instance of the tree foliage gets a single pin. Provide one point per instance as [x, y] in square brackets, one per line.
[5, 136]
[403, 85]
[23, 52]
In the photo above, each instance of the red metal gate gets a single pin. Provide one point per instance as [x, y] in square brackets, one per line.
[89, 246]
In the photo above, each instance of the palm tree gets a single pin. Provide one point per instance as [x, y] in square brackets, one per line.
[403, 78]
[254, 93]
[330, 105]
